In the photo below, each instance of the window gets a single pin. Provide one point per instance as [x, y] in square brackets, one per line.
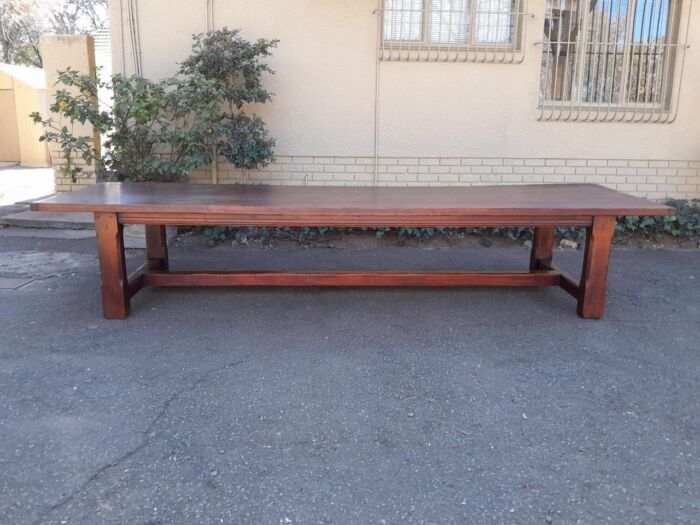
[609, 59]
[460, 30]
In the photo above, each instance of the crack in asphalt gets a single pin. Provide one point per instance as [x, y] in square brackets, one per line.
[147, 439]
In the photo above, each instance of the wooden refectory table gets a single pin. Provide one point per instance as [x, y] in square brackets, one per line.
[543, 207]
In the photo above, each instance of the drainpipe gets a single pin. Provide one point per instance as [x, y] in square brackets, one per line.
[134, 33]
[377, 67]
[209, 27]
[121, 37]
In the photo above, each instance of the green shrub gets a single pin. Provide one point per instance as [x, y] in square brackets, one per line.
[159, 131]
[237, 67]
[685, 224]
[245, 141]
[163, 131]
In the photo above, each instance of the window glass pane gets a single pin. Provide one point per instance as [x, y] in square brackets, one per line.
[403, 20]
[493, 21]
[449, 21]
[562, 20]
[648, 51]
[604, 52]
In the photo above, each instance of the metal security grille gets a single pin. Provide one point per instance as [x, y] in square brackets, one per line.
[611, 60]
[453, 30]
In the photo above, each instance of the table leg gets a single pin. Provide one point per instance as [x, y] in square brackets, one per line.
[542, 247]
[156, 248]
[594, 278]
[110, 243]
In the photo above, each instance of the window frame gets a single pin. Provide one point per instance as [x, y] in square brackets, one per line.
[425, 43]
[623, 105]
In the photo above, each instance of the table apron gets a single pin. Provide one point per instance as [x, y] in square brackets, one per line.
[353, 221]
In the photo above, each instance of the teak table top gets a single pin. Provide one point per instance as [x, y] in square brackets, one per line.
[544, 199]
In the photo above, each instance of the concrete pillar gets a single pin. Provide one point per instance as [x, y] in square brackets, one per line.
[60, 53]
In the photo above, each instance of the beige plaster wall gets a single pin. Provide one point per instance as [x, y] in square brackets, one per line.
[9, 136]
[325, 68]
[28, 100]
[325, 88]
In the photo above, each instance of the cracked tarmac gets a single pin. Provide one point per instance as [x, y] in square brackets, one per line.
[348, 406]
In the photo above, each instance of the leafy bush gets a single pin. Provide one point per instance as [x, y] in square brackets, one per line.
[685, 224]
[236, 66]
[158, 131]
[245, 141]
[80, 108]
[163, 131]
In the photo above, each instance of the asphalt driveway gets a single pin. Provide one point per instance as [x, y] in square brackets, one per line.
[347, 406]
